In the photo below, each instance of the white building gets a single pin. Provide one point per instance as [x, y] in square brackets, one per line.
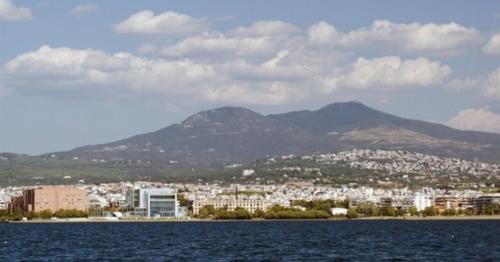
[231, 204]
[248, 172]
[422, 201]
[338, 211]
[154, 202]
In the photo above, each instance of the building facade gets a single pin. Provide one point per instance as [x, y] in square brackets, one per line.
[49, 198]
[154, 202]
[481, 203]
[249, 204]
[422, 202]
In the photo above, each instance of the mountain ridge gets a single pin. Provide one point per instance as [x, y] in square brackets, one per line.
[228, 135]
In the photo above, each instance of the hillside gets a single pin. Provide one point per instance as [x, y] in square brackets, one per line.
[232, 135]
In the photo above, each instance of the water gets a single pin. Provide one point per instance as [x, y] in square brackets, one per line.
[254, 241]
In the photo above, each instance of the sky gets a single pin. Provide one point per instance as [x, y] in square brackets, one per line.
[74, 73]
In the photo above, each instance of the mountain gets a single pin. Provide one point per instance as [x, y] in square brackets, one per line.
[236, 135]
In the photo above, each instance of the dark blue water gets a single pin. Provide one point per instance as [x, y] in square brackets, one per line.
[254, 241]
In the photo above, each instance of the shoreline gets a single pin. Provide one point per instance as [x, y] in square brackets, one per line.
[101, 220]
[415, 218]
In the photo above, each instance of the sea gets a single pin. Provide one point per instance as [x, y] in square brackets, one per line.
[350, 240]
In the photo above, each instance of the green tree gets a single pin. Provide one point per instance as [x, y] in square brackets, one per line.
[258, 213]
[492, 209]
[399, 212]
[430, 211]
[46, 214]
[413, 211]
[206, 211]
[4, 213]
[449, 212]
[70, 213]
[388, 211]
[351, 213]
[183, 201]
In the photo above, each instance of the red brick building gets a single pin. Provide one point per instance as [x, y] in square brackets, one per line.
[49, 198]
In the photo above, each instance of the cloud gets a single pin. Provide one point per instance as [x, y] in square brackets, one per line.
[82, 10]
[491, 85]
[210, 45]
[168, 23]
[449, 38]
[390, 73]
[323, 33]
[487, 85]
[265, 38]
[54, 71]
[287, 76]
[9, 12]
[476, 119]
[262, 38]
[493, 45]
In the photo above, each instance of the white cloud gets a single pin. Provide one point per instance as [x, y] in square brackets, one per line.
[491, 86]
[82, 10]
[286, 76]
[262, 38]
[10, 12]
[476, 119]
[64, 70]
[167, 23]
[449, 38]
[323, 33]
[220, 44]
[390, 73]
[493, 45]
[265, 38]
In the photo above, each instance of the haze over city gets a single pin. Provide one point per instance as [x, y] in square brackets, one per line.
[74, 73]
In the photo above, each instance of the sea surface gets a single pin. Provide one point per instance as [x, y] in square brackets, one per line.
[253, 241]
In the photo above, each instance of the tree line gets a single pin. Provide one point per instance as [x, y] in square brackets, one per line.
[18, 214]
[321, 209]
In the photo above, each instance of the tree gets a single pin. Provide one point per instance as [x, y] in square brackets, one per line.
[4, 212]
[206, 211]
[259, 213]
[430, 211]
[183, 201]
[70, 213]
[413, 211]
[351, 213]
[368, 209]
[388, 211]
[399, 212]
[449, 212]
[45, 214]
[492, 209]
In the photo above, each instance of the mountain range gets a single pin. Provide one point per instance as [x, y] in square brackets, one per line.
[231, 135]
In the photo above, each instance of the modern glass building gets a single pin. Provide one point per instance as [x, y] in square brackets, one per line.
[155, 202]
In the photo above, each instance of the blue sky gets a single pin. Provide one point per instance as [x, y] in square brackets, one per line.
[84, 72]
